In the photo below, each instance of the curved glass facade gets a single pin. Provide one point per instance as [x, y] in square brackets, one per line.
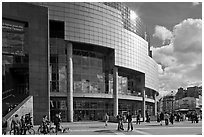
[124, 44]
[99, 24]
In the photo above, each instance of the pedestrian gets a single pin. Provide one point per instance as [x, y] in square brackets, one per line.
[192, 117]
[45, 123]
[166, 118]
[158, 117]
[129, 119]
[138, 118]
[147, 117]
[57, 120]
[16, 124]
[171, 119]
[120, 122]
[196, 117]
[23, 125]
[161, 118]
[106, 118]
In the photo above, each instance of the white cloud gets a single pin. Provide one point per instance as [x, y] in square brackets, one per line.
[162, 33]
[180, 62]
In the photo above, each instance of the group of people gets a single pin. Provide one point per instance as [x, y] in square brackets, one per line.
[20, 125]
[165, 117]
[46, 123]
[122, 118]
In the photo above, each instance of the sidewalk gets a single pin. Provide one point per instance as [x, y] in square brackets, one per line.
[94, 125]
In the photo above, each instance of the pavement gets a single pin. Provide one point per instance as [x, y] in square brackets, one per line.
[152, 128]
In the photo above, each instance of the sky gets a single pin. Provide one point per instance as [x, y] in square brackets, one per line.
[176, 41]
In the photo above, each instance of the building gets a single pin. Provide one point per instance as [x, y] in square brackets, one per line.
[168, 104]
[180, 94]
[189, 92]
[82, 59]
[188, 104]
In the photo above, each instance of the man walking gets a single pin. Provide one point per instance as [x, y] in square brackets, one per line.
[16, 124]
[161, 118]
[129, 118]
[106, 119]
[138, 118]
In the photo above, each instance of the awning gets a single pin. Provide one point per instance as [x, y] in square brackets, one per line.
[183, 109]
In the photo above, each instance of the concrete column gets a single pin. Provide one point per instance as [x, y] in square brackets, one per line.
[143, 104]
[155, 104]
[69, 83]
[115, 90]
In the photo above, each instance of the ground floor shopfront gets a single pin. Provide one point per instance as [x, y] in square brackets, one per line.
[95, 108]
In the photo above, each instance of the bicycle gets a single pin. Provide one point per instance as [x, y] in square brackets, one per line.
[29, 130]
[50, 129]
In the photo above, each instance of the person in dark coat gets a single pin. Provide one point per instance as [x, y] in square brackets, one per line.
[23, 125]
[129, 118]
[171, 118]
[138, 118]
[57, 121]
[161, 118]
[16, 124]
[120, 122]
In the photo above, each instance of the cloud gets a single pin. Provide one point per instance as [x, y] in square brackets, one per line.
[162, 33]
[180, 61]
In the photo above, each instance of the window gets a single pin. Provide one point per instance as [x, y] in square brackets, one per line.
[56, 29]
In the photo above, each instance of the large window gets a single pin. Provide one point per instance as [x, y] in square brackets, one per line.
[89, 76]
[15, 71]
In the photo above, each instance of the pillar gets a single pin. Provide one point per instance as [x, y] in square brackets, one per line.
[143, 104]
[69, 83]
[115, 90]
[155, 104]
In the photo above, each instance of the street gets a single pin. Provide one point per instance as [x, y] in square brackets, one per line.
[153, 128]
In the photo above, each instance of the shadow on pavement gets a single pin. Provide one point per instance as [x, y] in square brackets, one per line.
[104, 131]
[94, 127]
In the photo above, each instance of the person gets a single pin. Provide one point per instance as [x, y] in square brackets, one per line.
[120, 123]
[158, 117]
[171, 119]
[45, 123]
[57, 122]
[106, 119]
[28, 119]
[166, 118]
[196, 117]
[4, 126]
[129, 119]
[147, 117]
[161, 118]
[138, 118]
[16, 124]
[23, 125]
[192, 117]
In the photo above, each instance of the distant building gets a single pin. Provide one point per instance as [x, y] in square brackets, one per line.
[190, 92]
[188, 104]
[166, 104]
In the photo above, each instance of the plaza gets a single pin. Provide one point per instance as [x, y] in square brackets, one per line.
[152, 128]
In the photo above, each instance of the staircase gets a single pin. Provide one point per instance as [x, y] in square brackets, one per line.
[25, 107]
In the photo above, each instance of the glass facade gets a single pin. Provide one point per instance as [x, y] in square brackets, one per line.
[110, 26]
[15, 69]
[130, 20]
[89, 74]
